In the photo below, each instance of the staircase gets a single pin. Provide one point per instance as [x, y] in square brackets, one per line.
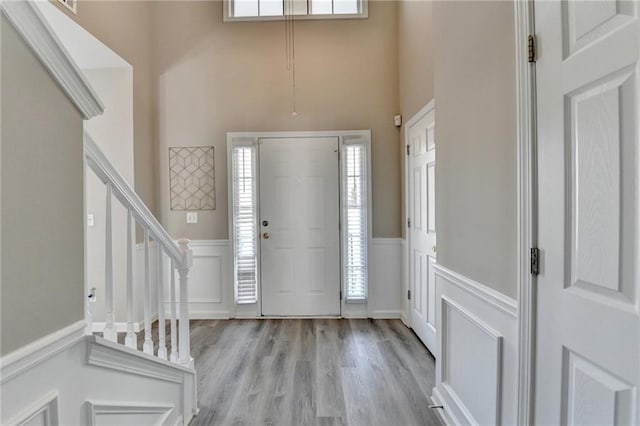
[84, 379]
[73, 375]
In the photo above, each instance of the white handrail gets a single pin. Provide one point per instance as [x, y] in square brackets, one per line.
[180, 256]
[121, 189]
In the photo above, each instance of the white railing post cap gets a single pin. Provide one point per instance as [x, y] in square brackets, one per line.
[183, 243]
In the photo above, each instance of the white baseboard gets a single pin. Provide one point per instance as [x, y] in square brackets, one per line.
[386, 314]
[403, 318]
[450, 414]
[477, 339]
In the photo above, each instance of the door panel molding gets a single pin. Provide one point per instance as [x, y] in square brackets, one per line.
[420, 216]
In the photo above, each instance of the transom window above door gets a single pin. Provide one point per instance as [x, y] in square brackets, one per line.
[268, 10]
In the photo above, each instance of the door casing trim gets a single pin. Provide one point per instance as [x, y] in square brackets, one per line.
[526, 170]
[253, 138]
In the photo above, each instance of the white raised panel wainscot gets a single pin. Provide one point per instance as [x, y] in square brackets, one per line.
[477, 358]
[210, 280]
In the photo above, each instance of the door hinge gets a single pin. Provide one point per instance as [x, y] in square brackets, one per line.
[532, 48]
[408, 149]
[409, 294]
[535, 261]
[408, 222]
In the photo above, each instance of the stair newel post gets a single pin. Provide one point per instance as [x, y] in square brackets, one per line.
[148, 343]
[183, 271]
[109, 332]
[162, 344]
[130, 340]
[174, 331]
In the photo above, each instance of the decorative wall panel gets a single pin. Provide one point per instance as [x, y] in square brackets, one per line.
[192, 178]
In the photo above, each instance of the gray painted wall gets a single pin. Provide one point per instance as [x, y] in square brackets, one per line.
[475, 91]
[42, 211]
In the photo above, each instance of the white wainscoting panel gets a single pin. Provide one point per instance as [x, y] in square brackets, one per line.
[476, 361]
[108, 413]
[43, 412]
[210, 280]
[385, 278]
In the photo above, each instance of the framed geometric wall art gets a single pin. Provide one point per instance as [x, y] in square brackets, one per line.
[192, 184]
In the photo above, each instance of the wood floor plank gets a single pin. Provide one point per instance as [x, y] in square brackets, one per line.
[302, 372]
[329, 362]
[413, 353]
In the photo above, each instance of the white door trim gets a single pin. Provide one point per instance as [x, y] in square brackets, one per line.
[526, 173]
[252, 138]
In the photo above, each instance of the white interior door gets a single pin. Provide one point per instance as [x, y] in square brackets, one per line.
[299, 218]
[422, 228]
[588, 327]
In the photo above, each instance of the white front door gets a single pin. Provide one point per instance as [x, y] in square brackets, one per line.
[299, 219]
[422, 228]
[588, 326]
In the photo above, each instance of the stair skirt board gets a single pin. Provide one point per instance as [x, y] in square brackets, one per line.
[69, 378]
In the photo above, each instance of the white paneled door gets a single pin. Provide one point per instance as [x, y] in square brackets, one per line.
[588, 326]
[422, 228]
[299, 226]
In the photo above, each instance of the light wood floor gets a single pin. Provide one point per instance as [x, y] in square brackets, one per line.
[311, 372]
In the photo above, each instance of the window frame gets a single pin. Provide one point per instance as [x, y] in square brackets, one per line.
[365, 142]
[227, 8]
[232, 144]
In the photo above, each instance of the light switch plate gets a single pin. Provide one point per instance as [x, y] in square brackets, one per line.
[192, 217]
[91, 220]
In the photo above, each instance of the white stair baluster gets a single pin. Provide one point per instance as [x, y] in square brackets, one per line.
[174, 331]
[148, 343]
[185, 350]
[109, 332]
[130, 340]
[162, 344]
[177, 348]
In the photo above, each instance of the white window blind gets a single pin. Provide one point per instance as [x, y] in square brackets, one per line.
[245, 224]
[355, 194]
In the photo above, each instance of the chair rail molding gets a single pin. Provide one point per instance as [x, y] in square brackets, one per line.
[487, 294]
[17, 362]
[27, 19]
